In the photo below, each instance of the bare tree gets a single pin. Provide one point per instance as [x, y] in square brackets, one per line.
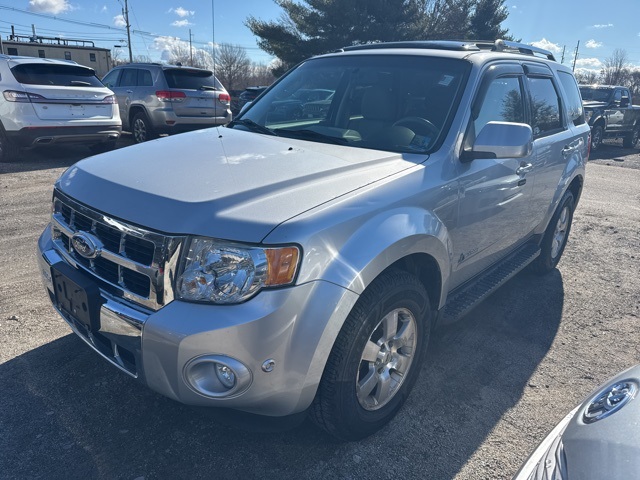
[232, 66]
[616, 68]
[587, 77]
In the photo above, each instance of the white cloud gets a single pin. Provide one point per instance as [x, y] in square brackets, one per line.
[547, 45]
[103, 9]
[182, 12]
[181, 23]
[49, 6]
[607, 25]
[119, 21]
[591, 63]
[593, 44]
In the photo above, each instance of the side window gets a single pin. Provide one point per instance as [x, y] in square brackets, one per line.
[128, 78]
[617, 96]
[545, 106]
[67, 55]
[574, 101]
[12, 51]
[41, 54]
[144, 78]
[502, 102]
[92, 57]
[111, 79]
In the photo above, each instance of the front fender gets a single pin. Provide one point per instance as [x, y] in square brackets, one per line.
[376, 244]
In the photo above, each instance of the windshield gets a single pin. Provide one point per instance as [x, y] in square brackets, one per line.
[595, 94]
[398, 103]
[57, 75]
[191, 79]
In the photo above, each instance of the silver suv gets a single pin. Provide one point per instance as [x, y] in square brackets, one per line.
[293, 263]
[155, 98]
[45, 101]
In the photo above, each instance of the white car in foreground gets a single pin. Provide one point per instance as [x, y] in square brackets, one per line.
[47, 101]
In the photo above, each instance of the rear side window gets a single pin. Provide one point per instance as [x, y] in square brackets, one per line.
[574, 101]
[144, 78]
[191, 79]
[129, 77]
[58, 75]
[545, 106]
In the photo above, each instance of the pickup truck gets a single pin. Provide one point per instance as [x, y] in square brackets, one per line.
[610, 114]
[297, 265]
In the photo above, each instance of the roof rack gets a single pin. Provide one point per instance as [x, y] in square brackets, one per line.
[459, 45]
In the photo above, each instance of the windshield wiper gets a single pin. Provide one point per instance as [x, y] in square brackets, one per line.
[79, 82]
[251, 125]
[207, 87]
[305, 134]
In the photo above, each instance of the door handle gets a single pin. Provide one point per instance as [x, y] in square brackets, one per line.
[524, 168]
[566, 151]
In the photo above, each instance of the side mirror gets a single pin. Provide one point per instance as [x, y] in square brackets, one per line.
[503, 140]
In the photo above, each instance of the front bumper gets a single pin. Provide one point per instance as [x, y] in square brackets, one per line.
[292, 330]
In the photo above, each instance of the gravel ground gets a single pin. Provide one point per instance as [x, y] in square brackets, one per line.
[493, 384]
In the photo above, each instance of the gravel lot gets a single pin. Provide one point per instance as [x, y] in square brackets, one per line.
[493, 384]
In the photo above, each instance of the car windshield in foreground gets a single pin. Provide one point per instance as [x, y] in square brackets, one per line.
[398, 103]
[191, 79]
[56, 75]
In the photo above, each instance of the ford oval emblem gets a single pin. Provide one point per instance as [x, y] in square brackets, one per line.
[86, 244]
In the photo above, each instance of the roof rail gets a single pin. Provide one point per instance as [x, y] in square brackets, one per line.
[459, 45]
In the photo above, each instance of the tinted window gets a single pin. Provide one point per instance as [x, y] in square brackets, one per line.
[59, 75]
[144, 78]
[129, 77]
[574, 102]
[191, 79]
[545, 106]
[502, 103]
[111, 79]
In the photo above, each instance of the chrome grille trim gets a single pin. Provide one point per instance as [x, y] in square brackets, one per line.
[127, 276]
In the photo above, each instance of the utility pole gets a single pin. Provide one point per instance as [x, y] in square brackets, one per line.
[125, 14]
[564, 47]
[575, 57]
[190, 50]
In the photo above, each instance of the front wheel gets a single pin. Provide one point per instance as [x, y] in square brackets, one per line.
[596, 137]
[556, 235]
[376, 358]
[631, 140]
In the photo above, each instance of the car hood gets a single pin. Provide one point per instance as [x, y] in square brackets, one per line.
[222, 182]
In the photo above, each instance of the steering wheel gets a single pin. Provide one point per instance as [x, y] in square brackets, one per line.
[424, 126]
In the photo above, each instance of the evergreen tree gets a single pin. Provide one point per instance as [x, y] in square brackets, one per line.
[486, 19]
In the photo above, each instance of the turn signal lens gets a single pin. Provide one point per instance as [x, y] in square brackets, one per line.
[282, 265]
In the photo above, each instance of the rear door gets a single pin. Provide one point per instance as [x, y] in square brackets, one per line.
[64, 92]
[125, 90]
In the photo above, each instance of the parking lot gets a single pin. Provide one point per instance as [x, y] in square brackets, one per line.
[491, 388]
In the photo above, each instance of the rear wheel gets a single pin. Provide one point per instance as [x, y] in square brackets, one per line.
[596, 137]
[376, 358]
[556, 236]
[631, 140]
[142, 129]
[8, 150]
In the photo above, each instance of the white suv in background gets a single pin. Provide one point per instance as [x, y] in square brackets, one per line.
[47, 101]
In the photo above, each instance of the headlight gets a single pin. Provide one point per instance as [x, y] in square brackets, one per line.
[224, 272]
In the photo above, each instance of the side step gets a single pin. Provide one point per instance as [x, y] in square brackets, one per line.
[469, 295]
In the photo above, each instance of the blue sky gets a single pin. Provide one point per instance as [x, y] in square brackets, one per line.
[600, 26]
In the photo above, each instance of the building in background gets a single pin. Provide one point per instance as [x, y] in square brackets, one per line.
[83, 52]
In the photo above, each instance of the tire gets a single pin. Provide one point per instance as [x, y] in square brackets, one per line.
[596, 137]
[367, 378]
[102, 147]
[631, 140]
[141, 128]
[556, 235]
[8, 150]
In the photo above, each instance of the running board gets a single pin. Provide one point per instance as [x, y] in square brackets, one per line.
[467, 297]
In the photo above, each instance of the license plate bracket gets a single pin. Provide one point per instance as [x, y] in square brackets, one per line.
[77, 295]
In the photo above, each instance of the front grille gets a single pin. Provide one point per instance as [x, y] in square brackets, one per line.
[132, 262]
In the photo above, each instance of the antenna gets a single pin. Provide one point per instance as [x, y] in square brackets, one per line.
[213, 36]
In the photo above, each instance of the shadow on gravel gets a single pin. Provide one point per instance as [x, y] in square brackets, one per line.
[65, 413]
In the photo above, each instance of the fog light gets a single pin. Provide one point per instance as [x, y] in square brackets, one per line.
[225, 375]
[217, 376]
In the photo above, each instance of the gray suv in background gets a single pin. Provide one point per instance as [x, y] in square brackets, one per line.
[154, 98]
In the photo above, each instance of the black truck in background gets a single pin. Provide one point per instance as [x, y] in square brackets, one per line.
[611, 114]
